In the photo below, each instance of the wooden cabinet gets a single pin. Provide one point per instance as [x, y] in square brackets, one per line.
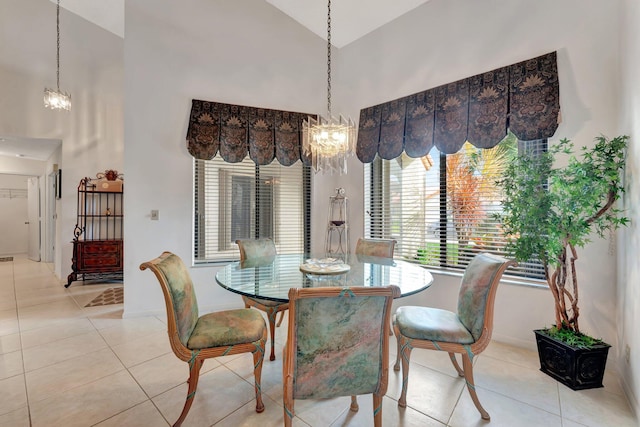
[98, 235]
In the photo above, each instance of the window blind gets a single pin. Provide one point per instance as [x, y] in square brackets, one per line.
[243, 200]
[443, 209]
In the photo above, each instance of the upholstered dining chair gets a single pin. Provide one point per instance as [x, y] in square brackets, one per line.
[467, 332]
[382, 248]
[194, 338]
[262, 248]
[337, 345]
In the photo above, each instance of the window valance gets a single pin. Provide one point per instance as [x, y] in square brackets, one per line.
[234, 130]
[523, 97]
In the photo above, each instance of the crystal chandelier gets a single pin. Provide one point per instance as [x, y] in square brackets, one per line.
[328, 141]
[56, 99]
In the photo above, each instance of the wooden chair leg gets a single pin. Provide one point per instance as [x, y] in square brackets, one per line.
[454, 361]
[396, 366]
[194, 376]
[271, 314]
[468, 376]
[404, 351]
[258, 358]
[281, 317]
[289, 411]
[377, 410]
[354, 404]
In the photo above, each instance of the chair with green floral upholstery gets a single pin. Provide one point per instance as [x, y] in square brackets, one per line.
[467, 332]
[382, 248]
[264, 248]
[337, 345]
[194, 338]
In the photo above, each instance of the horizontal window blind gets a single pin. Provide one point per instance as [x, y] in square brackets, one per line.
[442, 208]
[245, 201]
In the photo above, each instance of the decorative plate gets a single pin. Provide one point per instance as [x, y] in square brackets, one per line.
[324, 266]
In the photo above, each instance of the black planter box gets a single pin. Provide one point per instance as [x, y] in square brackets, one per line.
[577, 368]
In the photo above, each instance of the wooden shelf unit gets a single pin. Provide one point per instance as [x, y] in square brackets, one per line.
[98, 234]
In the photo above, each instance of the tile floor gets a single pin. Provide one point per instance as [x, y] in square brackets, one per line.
[62, 364]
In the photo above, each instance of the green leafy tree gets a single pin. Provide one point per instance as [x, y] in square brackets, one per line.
[550, 211]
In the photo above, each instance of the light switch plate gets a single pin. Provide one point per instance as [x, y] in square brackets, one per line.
[155, 215]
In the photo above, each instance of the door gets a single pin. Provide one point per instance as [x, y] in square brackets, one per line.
[33, 213]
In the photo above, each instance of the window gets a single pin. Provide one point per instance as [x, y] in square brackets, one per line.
[441, 208]
[244, 201]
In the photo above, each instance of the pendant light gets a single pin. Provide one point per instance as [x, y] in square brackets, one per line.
[57, 99]
[328, 141]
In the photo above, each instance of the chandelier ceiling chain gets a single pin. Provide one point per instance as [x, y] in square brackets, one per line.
[57, 99]
[329, 59]
[328, 142]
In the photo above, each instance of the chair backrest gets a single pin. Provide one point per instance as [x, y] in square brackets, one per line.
[478, 291]
[376, 247]
[256, 248]
[338, 343]
[179, 296]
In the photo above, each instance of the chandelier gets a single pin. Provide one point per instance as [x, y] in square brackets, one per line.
[57, 99]
[328, 141]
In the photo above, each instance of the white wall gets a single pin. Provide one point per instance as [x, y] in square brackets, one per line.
[443, 41]
[628, 317]
[176, 52]
[91, 69]
[246, 53]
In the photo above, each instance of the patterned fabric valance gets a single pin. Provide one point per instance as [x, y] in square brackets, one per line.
[234, 130]
[524, 98]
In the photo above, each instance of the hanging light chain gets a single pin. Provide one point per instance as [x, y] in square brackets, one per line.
[58, 46]
[328, 60]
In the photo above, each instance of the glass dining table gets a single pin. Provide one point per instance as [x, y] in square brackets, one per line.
[271, 278]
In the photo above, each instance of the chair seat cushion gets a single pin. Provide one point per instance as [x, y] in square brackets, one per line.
[227, 328]
[433, 324]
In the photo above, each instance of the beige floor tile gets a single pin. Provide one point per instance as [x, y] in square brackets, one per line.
[505, 412]
[42, 315]
[596, 408]
[246, 416]
[517, 382]
[165, 372]
[430, 392]
[9, 314]
[13, 394]
[132, 330]
[321, 412]
[60, 330]
[9, 327]
[89, 404]
[54, 352]
[220, 392]
[516, 355]
[144, 414]
[77, 371]
[10, 364]
[135, 352]
[106, 319]
[392, 415]
[17, 418]
[9, 343]
[31, 297]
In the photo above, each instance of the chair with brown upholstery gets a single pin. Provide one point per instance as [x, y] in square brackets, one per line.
[262, 248]
[467, 332]
[337, 345]
[382, 248]
[194, 338]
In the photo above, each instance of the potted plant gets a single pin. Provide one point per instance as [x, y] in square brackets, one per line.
[549, 211]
